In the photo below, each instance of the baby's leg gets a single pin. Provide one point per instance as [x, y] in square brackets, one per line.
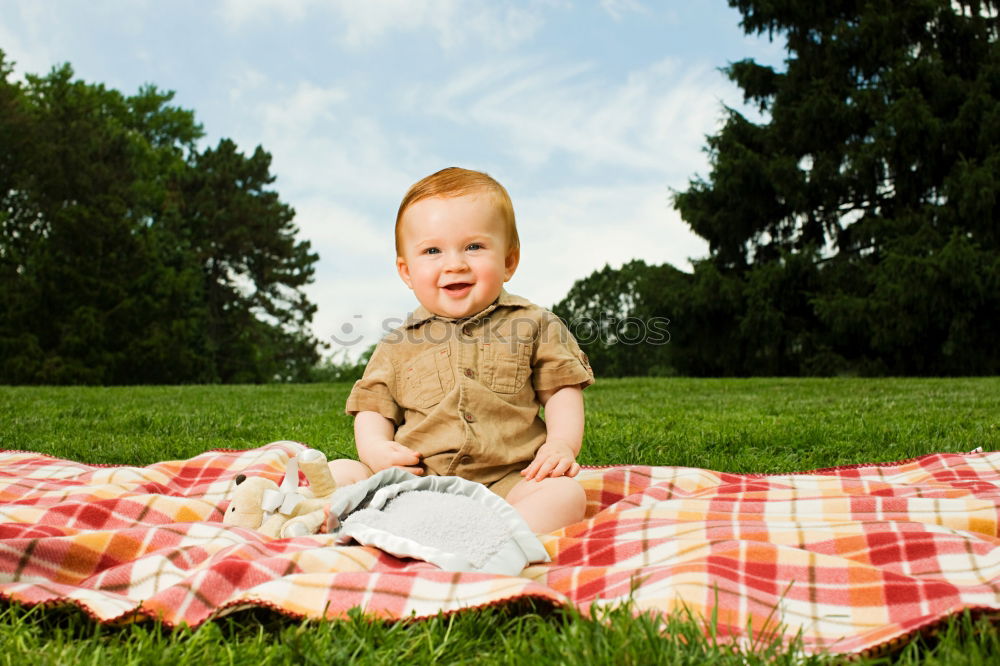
[346, 471]
[549, 504]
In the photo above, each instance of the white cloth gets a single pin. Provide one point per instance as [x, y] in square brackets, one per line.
[456, 524]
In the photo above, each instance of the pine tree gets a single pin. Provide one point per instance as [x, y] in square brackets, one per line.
[878, 161]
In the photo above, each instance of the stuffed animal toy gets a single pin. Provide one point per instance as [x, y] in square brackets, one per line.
[284, 510]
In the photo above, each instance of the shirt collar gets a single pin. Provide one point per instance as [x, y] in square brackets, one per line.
[422, 314]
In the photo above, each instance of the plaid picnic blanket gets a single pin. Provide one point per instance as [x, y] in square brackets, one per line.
[850, 558]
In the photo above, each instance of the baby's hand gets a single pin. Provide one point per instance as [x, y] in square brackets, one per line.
[552, 459]
[386, 454]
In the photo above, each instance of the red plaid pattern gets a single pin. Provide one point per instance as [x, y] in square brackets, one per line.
[849, 558]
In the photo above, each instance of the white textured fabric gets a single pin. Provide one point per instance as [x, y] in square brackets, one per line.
[456, 524]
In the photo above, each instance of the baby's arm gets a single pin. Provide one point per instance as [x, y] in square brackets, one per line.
[564, 427]
[373, 435]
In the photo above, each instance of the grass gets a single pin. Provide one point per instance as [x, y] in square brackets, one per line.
[746, 426]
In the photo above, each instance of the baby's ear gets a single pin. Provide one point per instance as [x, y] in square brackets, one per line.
[404, 271]
[510, 263]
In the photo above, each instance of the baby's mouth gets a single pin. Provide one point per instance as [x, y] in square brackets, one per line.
[457, 286]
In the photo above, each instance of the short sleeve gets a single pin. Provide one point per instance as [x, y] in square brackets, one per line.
[375, 390]
[558, 360]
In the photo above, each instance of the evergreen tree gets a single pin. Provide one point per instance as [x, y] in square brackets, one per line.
[861, 215]
[244, 238]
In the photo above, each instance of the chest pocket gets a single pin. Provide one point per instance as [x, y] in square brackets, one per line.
[505, 366]
[426, 378]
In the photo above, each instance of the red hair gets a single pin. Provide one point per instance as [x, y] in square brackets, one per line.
[456, 182]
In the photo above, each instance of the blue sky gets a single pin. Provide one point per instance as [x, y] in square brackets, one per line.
[588, 112]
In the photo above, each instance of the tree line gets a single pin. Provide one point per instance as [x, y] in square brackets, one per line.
[852, 231]
[852, 228]
[129, 255]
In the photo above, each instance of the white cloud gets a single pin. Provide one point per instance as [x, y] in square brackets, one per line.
[354, 313]
[340, 232]
[653, 120]
[454, 23]
[618, 8]
[321, 141]
[24, 45]
[239, 12]
[303, 110]
[568, 233]
[500, 28]
[247, 82]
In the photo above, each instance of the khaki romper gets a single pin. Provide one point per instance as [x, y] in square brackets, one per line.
[462, 392]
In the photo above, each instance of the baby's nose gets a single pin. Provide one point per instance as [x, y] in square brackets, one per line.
[456, 262]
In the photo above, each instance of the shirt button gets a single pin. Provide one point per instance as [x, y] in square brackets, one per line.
[468, 417]
[467, 330]
[470, 373]
[465, 460]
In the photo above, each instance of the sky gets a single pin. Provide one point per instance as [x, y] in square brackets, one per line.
[589, 113]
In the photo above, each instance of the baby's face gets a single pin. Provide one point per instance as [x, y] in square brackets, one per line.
[454, 254]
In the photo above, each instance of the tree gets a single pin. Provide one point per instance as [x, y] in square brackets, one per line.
[77, 249]
[111, 261]
[244, 238]
[877, 162]
[621, 318]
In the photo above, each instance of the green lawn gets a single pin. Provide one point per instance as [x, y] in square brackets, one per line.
[754, 425]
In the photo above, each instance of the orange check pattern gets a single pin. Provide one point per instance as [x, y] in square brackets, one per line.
[850, 558]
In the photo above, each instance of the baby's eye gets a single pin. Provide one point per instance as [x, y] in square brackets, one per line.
[432, 250]
[475, 246]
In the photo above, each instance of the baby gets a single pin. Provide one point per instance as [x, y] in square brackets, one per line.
[456, 390]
